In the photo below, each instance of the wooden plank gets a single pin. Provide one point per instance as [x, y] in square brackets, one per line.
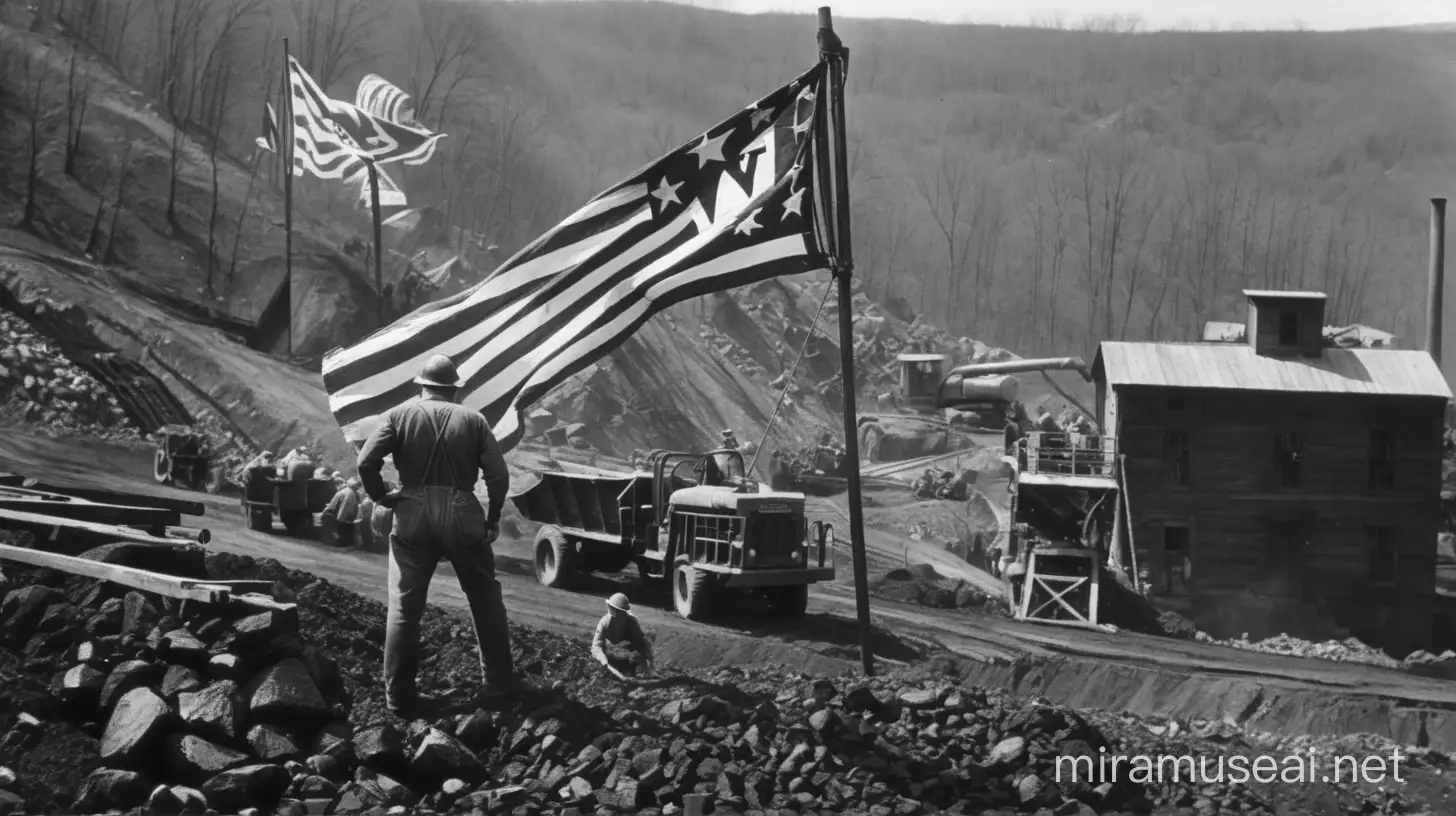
[92, 511]
[237, 587]
[183, 506]
[50, 527]
[171, 586]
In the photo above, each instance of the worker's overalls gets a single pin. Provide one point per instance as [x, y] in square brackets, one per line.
[433, 522]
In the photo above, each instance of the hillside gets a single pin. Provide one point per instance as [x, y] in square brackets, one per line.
[1034, 189]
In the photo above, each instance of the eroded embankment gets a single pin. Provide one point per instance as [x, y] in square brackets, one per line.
[1245, 702]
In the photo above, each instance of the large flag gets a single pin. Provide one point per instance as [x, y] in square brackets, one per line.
[330, 136]
[732, 207]
[269, 140]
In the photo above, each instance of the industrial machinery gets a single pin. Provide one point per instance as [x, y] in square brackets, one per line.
[295, 502]
[1066, 508]
[694, 522]
[941, 408]
[183, 457]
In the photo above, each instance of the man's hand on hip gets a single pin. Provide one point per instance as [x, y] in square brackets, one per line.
[390, 499]
[492, 532]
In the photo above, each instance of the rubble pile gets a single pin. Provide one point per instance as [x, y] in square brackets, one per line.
[39, 384]
[921, 584]
[1348, 650]
[114, 699]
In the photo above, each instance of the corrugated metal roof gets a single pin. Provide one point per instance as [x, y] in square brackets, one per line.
[1275, 293]
[1220, 365]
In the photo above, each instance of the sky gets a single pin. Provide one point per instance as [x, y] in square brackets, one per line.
[1311, 14]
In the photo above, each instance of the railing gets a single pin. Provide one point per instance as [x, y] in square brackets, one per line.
[1063, 454]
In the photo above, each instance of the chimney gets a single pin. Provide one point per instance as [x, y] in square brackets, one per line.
[1435, 293]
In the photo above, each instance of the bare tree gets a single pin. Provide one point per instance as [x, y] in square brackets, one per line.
[43, 114]
[93, 241]
[76, 95]
[446, 55]
[224, 85]
[333, 35]
[944, 190]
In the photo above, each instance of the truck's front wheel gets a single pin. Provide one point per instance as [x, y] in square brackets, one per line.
[555, 559]
[788, 601]
[690, 589]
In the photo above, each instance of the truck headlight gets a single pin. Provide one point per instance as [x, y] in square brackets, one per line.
[752, 555]
[798, 555]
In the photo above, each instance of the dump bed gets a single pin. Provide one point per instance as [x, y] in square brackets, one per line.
[591, 502]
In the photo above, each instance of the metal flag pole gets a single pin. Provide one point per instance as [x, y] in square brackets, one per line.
[834, 52]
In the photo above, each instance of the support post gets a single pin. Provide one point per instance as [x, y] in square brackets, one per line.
[285, 134]
[378, 242]
[1436, 291]
[837, 56]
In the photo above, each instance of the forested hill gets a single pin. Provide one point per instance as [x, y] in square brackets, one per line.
[1036, 188]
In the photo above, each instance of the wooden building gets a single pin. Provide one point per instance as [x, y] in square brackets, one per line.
[1274, 482]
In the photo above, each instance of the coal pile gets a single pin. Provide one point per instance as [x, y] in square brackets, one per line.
[39, 384]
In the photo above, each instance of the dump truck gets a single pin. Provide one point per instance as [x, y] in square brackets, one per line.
[692, 521]
[295, 502]
[979, 394]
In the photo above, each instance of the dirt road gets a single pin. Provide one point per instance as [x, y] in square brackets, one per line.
[1146, 675]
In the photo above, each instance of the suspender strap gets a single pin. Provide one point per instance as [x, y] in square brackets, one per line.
[435, 448]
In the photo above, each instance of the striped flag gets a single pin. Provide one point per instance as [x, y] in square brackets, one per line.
[378, 97]
[732, 207]
[269, 140]
[331, 135]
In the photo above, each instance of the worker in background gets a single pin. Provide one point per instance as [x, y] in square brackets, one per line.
[381, 522]
[440, 449]
[257, 468]
[1013, 432]
[341, 513]
[619, 625]
[298, 465]
[729, 441]
[364, 523]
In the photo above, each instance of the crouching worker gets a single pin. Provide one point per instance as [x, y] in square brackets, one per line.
[619, 625]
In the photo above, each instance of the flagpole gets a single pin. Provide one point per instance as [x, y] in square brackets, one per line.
[287, 161]
[378, 242]
[833, 51]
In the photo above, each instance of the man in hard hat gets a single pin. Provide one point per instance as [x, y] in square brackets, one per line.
[440, 449]
[619, 625]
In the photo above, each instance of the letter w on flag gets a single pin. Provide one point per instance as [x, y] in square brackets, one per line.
[739, 204]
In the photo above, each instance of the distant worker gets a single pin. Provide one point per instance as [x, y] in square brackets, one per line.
[1013, 432]
[364, 523]
[341, 513]
[258, 467]
[440, 449]
[729, 441]
[298, 465]
[381, 522]
[619, 625]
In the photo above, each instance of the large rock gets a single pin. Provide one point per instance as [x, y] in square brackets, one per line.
[22, 610]
[175, 800]
[285, 693]
[138, 614]
[183, 561]
[383, 748]
[271, 744]
[125, 677]
[216, 712]
[195, 760]
[441, 757]
[259, 786]
[135, 730]
[179, 680]
[107, 789]
[80, 687]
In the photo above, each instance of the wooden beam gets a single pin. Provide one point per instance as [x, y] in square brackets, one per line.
[183, 506]
[91, 511]
[171, 586]
[50, 527]
[238, 587]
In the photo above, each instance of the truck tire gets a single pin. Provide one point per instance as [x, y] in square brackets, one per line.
[260, 519]
[297, 522]
[870, 435]
[216, 479]
[788, 601]
[691, 588]
[162, 468]
[555, 557]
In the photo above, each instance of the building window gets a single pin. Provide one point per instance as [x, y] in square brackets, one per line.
[1382, 460]
[1288, 328]
[1177, 561]
[1289, 459]
[1384, 558]
[1176, 456]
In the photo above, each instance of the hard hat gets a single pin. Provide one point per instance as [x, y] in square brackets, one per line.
[620, 603]
[439, 371]
[354, 483]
